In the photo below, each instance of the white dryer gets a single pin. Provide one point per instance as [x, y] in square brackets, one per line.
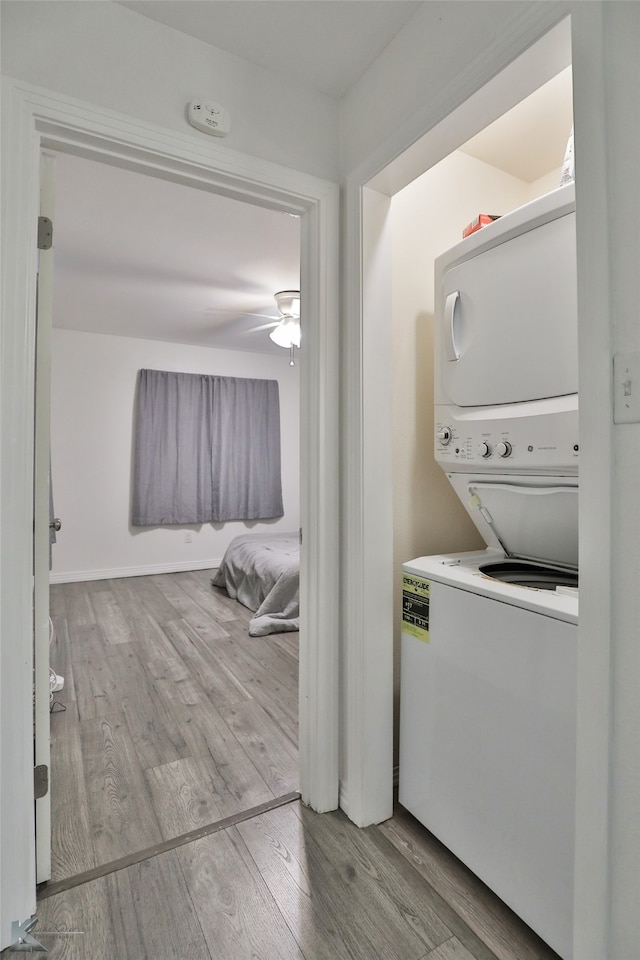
[489, 639]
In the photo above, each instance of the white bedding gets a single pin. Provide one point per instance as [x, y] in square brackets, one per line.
[262, 572]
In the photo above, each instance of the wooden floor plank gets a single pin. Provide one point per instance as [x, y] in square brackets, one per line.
[198, 610]
[490, 919]
[57, 602]
[156, 737]
[281, 665]
[142, 622]
[120, 809]
[141, 595]
[198, 584]
[218, 682]
[96, 688]
[153, 914]
[85, 640]
[71, 841]
[77, 924]
[157, 698]
[238, 915]
[268, 747]
[450, 950]
[288, 642]
[154, 732]
[109, 616]
[61, 660]
[171, 669]
[279, 703]
[180, 799]
[334, 887]
[78, 605]
[227, 772]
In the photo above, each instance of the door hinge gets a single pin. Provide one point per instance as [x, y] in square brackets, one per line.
[40, 781]
[45, 233]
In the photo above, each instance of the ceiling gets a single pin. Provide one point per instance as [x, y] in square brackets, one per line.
[139, 256]
[325, 44]
[529, 140]
[143, 257]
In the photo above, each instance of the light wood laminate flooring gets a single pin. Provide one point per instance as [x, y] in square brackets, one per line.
[175, 718]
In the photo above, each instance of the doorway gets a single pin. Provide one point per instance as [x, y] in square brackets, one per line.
[153, 274]
[34, 122]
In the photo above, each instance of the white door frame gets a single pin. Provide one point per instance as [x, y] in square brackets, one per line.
[41, 526]
[34, 119]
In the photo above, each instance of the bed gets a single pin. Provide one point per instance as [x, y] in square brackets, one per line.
[262, 571]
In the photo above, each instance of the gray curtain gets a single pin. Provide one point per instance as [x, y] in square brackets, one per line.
[206, 449]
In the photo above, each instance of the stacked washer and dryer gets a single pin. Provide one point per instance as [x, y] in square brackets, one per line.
[489, 639]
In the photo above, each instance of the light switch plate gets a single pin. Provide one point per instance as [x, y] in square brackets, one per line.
[626, 388]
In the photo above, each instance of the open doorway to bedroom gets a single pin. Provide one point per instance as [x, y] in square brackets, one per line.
[171, 716]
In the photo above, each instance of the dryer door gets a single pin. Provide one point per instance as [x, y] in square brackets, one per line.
[507, 320]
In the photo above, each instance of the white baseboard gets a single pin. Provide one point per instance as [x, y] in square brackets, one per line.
[343, 799]
[79, 576]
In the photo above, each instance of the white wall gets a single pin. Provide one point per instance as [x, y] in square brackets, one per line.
[428, 58]
[105, 54]
[546, 183]
[92, 403]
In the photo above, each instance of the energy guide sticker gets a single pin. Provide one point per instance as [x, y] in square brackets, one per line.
[415, 607]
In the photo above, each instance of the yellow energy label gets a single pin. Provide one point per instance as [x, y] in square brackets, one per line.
[415, 606]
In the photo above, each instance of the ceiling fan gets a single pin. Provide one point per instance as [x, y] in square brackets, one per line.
[285, 330]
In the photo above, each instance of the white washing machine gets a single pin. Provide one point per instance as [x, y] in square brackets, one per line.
[487, 726]
[489, 640]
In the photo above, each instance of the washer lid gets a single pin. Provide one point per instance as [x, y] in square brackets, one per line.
[531, 522]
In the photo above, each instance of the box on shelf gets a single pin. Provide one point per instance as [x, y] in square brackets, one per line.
[480, 221]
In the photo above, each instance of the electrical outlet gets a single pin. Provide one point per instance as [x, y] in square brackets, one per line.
[188, 537]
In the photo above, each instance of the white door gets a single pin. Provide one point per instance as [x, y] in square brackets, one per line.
[41, 544]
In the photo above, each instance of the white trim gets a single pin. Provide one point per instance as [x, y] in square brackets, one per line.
[366, 793]
[431, 133]
[149, 569]
[33, 118]
[17, 338]
[592, 890]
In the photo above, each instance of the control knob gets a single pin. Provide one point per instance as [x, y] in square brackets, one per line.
[484, 449]
[444, 435]
[503, 449]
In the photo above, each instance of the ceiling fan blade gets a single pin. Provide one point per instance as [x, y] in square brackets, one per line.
[262, 326]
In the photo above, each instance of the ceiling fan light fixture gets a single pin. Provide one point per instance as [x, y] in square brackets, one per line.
[288, 303]
[287, 333]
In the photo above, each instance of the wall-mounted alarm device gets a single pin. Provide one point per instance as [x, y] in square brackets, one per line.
[209, 117]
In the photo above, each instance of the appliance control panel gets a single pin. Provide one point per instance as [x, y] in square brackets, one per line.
[507, 442]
